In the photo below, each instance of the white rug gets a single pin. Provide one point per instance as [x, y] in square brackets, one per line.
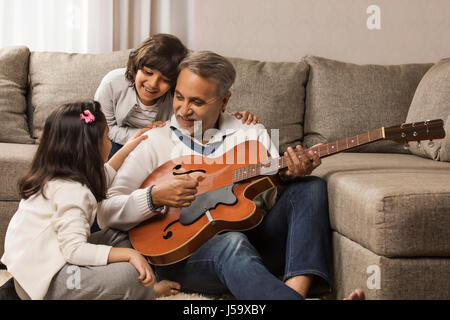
[4, 276]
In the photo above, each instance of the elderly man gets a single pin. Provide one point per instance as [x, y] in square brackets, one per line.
[285, 256]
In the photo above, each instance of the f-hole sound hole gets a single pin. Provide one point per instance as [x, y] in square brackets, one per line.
[188, 172]
[167, 235]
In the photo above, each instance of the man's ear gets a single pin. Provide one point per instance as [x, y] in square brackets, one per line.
[225, 100]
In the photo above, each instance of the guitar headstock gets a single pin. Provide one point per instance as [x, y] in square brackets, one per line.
[416, 131]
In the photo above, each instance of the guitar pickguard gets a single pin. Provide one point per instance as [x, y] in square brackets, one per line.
[207, 201]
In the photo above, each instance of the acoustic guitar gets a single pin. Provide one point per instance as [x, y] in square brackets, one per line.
[227, 186]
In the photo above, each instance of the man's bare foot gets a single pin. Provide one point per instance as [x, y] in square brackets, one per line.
[166, 288]
[357, 294]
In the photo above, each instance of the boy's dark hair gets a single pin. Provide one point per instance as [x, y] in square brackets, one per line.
[162, 52]
[69, 149]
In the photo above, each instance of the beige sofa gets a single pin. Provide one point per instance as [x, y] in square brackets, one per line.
[389, 207]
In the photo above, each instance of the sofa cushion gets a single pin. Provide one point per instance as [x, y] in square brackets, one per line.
[13, 89]
[15, 159]
[432, 101]
[395, 205]
[275, 93]
[58, 78]
[345, 99]
[385, 278]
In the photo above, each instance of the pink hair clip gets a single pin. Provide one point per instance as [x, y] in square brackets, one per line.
[88, 117]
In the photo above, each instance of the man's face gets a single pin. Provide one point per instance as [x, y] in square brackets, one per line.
[196, 100]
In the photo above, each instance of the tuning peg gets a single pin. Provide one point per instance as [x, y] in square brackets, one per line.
[431, 143]
[406, 146]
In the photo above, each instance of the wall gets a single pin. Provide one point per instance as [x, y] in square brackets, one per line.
[285, 30]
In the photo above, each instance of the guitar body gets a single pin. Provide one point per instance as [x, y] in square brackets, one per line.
[168, 238]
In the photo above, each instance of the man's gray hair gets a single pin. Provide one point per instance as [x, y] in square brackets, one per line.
[213, 67]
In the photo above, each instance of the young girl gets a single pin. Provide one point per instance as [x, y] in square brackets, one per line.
[48, 247]
[141, 94]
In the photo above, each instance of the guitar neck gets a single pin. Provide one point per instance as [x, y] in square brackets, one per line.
[328, 149]
[322, 151]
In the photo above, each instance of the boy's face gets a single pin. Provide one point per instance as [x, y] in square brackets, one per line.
[150, 85]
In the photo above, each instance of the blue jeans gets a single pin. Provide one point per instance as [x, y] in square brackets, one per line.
[293, 239]
[114, 148]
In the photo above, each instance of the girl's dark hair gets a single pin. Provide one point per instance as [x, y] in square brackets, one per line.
[162, 52]
[69, 149]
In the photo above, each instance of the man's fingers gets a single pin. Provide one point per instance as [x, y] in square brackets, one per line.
[186, 204]
[189, 181]
[190, 184]
[305, 160]
[317, 144]
[297, 165]
[188, 192]
[299, 162]
[185, 199]
[315, 159]
[290, 170]
[186, 180]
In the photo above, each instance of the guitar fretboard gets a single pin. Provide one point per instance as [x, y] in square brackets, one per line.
[322, 150]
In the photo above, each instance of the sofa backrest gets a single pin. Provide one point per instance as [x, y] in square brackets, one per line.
[310, 101]
[275, 93]
[432, 101]
[13, 91]
[57, 78]
[345, 99]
